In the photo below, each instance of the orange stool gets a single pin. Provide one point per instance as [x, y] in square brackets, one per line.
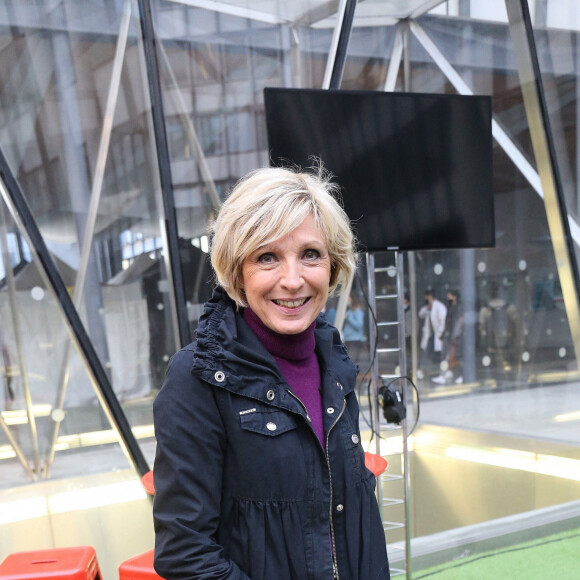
[139, 568]
[375, 463]
[79, 563]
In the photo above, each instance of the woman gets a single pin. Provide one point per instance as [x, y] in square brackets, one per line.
[259, 471]
[433, 314]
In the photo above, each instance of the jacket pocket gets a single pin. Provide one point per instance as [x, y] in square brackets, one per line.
[270, 423]
[267, 459]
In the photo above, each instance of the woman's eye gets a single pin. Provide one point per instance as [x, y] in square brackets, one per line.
[266, 258]
[311, 254]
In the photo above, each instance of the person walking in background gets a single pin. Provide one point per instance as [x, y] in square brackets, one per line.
[259, 469]
[452, 346]
[353, 330]
[498, 323]
[433, 314]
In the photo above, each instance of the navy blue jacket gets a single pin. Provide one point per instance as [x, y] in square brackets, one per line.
[243, 488]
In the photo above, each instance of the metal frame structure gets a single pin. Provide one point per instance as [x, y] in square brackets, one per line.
[32, 473]
[544, 150]
[564, 229]
[14, 199]
[169, 228]
[95, 198]
[376, 377]
[332, 79]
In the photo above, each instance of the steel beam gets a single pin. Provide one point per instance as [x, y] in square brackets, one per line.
[170, 233]
[395, 61]
[339, 45]
[332, 79]
[191, 132]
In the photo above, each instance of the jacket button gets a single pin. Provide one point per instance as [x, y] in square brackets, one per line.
[270, 395]
[339, 386]
[354, 438]
[220, 377]
[271, 426]
[330, 410]
[339, 507]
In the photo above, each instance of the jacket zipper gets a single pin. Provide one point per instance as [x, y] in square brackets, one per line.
[307, 415]
[334, 562]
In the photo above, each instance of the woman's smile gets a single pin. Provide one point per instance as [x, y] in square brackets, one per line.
[291, 303]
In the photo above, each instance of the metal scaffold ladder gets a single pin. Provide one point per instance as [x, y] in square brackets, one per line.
[388, 356]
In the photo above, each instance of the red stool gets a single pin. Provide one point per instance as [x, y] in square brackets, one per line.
[139, 568]
[147, 483]
[79, 563]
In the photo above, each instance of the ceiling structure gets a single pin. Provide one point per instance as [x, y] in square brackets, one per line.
[317, 13]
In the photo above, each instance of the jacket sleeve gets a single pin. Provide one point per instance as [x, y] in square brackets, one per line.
[188, 478]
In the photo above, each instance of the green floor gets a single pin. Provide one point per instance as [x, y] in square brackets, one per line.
[554, 557]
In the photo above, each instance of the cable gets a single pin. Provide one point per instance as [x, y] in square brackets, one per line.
[370, 422]
[492, 554]
[418, 407]
[375, 326]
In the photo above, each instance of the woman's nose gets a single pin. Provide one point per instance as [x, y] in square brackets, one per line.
[292, 274]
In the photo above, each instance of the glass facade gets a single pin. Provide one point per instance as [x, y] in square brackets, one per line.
[497, 408]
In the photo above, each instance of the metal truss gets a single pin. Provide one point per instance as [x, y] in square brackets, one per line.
[14, 199]
[95, 198]
[544, 151]
[546, 182]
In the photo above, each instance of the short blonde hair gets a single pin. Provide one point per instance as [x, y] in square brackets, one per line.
[266, 205]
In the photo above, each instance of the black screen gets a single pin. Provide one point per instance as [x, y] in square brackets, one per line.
[415, 169]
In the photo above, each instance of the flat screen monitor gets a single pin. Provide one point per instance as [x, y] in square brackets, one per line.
[415, 169]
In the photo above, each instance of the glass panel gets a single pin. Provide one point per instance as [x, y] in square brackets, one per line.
[75, 126]
[76, 129]
[214, 66]
[497, 400]
[556, 31]
[89, 478]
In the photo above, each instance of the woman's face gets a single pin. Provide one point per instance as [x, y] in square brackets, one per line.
[286, 282]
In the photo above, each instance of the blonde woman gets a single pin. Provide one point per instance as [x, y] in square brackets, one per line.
[259, 471]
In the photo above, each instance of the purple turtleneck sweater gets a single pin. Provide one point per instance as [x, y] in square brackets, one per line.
[297, 361]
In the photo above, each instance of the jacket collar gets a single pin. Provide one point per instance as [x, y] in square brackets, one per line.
[230, 356]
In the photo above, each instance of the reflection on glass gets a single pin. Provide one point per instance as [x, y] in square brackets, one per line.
[78, 133]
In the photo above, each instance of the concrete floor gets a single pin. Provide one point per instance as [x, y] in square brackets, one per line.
[546, 413]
